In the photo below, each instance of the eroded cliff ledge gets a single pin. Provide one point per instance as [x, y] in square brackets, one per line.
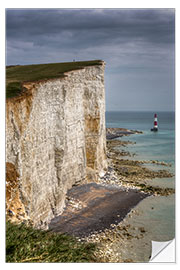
[55, 138]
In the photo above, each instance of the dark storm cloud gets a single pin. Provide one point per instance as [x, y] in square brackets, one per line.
[90, 27]
[136, 44]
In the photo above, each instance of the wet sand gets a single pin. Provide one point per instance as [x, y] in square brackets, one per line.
[93, 208]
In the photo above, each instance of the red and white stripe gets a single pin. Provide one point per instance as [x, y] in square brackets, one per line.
[155, 121]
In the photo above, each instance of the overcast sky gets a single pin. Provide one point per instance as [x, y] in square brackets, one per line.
[136, 44]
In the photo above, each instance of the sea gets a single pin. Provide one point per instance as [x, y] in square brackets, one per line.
[157, 212]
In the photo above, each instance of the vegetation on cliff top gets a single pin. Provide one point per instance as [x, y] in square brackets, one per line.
[25, 244]
[16, 75]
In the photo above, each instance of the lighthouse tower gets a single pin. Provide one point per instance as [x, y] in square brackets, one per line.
[155, 128]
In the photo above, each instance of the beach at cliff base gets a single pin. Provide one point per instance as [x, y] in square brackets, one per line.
[105, 212]
[92, 208]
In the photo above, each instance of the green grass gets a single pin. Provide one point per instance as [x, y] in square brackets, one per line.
[26, 244]
[15, 75]
[13, 89]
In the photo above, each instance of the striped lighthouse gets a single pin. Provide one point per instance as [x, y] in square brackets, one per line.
[155, 128]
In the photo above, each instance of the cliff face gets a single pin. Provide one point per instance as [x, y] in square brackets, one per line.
[56, 138]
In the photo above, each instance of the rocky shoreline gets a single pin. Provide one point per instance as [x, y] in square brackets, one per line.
[132, 173]
[118, 243]
[112, 133]
[102, 213]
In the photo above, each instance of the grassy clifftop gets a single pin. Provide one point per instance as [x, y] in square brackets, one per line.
[16, 75]
[25, 244]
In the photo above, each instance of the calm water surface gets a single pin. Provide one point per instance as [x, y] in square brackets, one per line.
[157, 213]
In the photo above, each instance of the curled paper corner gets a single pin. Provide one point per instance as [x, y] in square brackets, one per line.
[163, 251]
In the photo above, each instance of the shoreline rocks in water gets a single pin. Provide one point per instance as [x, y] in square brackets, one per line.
[114, 176]
[132, 173]
[112, 133]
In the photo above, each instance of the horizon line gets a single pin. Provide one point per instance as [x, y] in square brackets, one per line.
[139, 111]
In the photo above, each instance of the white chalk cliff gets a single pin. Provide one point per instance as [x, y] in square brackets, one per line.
[55, 138]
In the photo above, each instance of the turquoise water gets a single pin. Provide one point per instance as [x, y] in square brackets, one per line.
[159, 222]
[149, 145]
